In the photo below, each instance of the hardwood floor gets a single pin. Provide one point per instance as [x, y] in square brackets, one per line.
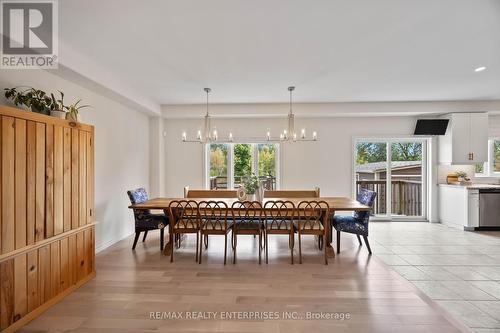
[130, 285]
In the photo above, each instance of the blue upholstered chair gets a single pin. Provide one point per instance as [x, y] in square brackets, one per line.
[144, 219]
[358, 223]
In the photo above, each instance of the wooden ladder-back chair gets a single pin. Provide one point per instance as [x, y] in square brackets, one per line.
[188, 193]
[279, 220]
[312, 220]
[214, 221]
[314, 193]
[185, 219]
[247, 220]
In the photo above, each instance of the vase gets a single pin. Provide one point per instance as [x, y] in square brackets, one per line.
[251, 197]
[58, 114]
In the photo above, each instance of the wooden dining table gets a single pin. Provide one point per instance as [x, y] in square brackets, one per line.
[335, 204]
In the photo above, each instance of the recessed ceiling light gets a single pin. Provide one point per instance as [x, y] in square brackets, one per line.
[480, 69]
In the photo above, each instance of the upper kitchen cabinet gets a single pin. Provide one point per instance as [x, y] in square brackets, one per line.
[466, 139]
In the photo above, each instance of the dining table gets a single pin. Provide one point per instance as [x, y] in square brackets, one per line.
[335, 204]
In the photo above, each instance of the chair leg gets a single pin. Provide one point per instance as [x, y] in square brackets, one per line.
[172, 250]
[326, 257]
[198, 241]
[266, 245]
[225, 248]
[235, 236]
[359, 240]
[162, 233]
[200, 253]
[137, 234]
[338, 241]
[367, 244]
[206, 241]
[300, 248]
[144, 237]
[291, 237]
[260, 251]
[320, 243]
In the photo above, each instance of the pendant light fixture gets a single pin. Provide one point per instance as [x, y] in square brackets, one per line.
[289, 134]
[210, 135]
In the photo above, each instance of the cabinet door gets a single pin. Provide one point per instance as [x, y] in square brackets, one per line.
[479, 137]
[461, 138]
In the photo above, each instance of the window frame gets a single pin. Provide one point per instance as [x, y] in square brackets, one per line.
[488, 166]
[230, 161]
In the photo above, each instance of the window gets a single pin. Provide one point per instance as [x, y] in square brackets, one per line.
[491, 168]
[229, 163]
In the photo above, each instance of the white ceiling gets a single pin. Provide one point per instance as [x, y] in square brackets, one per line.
[250, 51]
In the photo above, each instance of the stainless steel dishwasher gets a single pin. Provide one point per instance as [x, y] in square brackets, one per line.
[489, 207]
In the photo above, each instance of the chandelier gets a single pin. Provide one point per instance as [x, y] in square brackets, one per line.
[210, 135]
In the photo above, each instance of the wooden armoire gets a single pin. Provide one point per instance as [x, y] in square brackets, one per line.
[46, 212]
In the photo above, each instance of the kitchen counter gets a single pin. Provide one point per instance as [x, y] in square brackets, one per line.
[472, 186]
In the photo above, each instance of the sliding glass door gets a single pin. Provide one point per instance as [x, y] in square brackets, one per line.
[396, 170]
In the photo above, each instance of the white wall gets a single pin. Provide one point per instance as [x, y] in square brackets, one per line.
[121, 149]
[326, 163]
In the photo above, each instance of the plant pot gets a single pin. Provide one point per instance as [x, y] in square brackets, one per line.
[73, 117]
[58, 114]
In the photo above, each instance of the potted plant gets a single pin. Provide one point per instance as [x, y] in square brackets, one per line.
[251, 186]
[57, 106]
[73, 111]
[461, 175]
[33, 99]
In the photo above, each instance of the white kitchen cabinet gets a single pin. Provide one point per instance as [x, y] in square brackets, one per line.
[459, 206]
[466, 139]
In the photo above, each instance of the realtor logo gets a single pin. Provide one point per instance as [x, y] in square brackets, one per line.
[29, 34]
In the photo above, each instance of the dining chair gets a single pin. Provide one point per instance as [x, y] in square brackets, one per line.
[214, 221]
[144, 220]
[247, 220]
[213, 194]
[279, 221]
[208, 194]
[358, 223]
[184, 219]
[312, 220]
[314, 193]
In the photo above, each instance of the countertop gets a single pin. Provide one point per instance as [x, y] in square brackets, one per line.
[472, 186]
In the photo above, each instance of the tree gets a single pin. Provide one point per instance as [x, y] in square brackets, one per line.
[408, 151]
[267, 160]
[496, 152]
[370, 152]
[218, 160]
[242, 159]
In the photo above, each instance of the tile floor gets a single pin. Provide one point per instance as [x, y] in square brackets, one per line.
[457, 269]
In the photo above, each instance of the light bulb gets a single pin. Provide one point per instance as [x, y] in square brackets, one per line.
[303, 133]
[230, 136]
[198, 135]
[294, 136]
[268, 135]
[215, 135]
[184, 136]
[315, 135]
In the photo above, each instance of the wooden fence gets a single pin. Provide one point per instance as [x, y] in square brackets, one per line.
[406, 196]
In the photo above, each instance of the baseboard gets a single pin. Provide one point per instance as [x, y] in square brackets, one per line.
[105, 245]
